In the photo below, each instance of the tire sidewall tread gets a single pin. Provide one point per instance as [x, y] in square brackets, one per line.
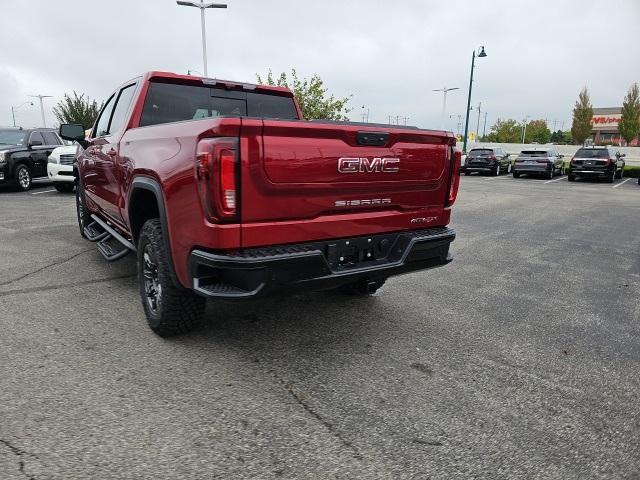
[181, 310]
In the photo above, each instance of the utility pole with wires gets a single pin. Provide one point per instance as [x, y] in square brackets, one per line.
[484, 129]
[478, 124]
[459, 123]
[365, 115]
[44, 123]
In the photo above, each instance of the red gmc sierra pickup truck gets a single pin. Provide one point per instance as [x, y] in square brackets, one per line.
[225, 192]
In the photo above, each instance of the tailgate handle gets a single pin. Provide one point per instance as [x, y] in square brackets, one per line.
[372, 139]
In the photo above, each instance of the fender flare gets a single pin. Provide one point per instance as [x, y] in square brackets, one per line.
[152, 185]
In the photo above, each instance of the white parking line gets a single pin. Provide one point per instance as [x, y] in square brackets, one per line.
[624, 181]
[556, 180]
[44, 191]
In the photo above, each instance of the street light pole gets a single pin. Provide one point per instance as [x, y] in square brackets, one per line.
[466, 125]
[444, 91]
[13, 111]
[202, 6]
[44, 123]
[524, 130]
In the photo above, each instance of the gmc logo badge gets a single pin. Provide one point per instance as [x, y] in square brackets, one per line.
[361, 165]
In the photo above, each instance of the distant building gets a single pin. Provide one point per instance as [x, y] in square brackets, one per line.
[605, 127]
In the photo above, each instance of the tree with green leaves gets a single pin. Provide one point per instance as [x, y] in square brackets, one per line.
[505, 131]
[537, 132]
[630, 121]
[313, 97]
[561, 137]
[77, 109]
[582, 116]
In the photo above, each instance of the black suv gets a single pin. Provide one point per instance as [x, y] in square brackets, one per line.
[24, 154]
[492, 160]
[597, 162]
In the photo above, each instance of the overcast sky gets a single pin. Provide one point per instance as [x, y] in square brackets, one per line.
[389, 54]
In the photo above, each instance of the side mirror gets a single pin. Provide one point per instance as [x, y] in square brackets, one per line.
[560, 156]
[73, 132]
[35, 143]
[622, 155]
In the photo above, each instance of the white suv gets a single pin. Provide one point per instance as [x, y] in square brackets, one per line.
[60, 167]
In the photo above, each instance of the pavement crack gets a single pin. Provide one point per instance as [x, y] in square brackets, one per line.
[52, 264]
[327, 424]
[65, 285]
[18, 452]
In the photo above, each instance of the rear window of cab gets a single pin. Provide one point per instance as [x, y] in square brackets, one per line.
[169, 102]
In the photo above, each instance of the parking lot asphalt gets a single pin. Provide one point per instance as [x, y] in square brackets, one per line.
[521, 359]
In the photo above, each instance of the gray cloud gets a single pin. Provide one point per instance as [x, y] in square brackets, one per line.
[389, 55]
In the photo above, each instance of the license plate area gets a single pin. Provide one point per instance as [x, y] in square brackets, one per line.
[359, 252]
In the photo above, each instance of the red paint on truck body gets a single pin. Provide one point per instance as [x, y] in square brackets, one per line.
[289, 187]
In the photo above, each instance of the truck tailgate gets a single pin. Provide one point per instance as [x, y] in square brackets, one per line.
[311, 174]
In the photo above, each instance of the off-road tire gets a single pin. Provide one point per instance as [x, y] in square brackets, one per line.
[571, 178]
[467, 173]
[178, 310]
[23, 178]
[84, 216]
[515, 174]
[620, 174]
[63, 187]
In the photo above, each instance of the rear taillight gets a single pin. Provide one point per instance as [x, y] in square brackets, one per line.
[217, 177]
[606, 161]
[542, 160]
[228, 181]
[493, 157]
[454, 179]
[573, 160]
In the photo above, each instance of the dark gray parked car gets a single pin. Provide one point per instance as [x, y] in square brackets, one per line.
[538, 161]
[492, 160]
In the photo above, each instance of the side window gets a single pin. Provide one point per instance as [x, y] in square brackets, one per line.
[122, 107]
[36, 137]
[50, 138]
[102, 125]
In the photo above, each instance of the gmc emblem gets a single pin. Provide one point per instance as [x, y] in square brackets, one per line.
[361, 165]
